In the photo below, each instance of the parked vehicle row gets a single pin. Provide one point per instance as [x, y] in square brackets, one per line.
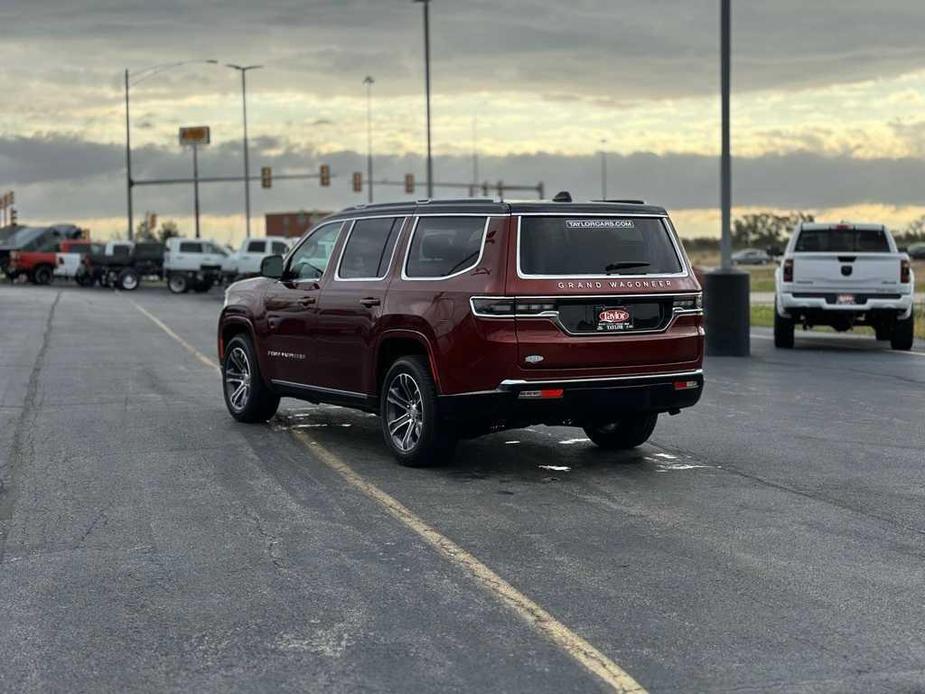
[451, 319]
[31, 251]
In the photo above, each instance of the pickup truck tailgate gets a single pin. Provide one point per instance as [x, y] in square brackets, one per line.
[846, 271]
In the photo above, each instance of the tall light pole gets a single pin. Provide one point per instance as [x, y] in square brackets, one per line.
[726, 297]
[140, 75]
[603, 169]
[369, 81]
[243, 69]
[475, 155]
[430, 161]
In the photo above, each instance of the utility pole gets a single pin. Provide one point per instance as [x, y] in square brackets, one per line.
[430, 161]
[475, 154]
[726, 157]
[247, 176]
[369, 81]
[603, 170]
[196, 186]
[128, 163]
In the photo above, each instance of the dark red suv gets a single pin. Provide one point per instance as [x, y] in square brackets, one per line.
[454, 318]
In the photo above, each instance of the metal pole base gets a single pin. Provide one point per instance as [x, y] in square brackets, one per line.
[726, 313]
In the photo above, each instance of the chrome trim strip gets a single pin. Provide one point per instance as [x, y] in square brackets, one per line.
[671, 235]
[414, 228]
[343, 250]
[508, 382]
[322, 389]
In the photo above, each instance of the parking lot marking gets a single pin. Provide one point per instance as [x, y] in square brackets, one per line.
[535, 615]
[540, 619]
[192, 350]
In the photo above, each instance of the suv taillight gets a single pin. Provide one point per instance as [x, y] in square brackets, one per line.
[905, 271]
[689, 302]
[490, 307]
[788, 270]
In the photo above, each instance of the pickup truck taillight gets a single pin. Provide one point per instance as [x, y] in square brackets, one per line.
[788, 270]
[905, 271]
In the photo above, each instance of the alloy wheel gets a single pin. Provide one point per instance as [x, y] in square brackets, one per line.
[405, 412]
[238, 379]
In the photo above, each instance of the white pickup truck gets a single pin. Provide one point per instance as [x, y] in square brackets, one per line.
[193, 264]
[245, 262]
[844, 275]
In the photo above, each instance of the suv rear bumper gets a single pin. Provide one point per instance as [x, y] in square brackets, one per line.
[802, 301]
[514, 404]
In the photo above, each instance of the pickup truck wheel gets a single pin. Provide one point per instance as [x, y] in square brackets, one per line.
[408, 412]
[783, 330]
[903, 334]
[622, 434]
[177, 284]
[247, 397]
[129, 280]
[42, 275]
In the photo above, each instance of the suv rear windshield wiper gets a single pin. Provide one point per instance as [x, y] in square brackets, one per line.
[625, 265]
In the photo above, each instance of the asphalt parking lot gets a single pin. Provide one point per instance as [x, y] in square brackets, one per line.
[772, 538]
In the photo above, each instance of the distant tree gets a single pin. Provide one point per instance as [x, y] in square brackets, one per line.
[914, 232]
[168, 230]
[143, 233]
[765, 229]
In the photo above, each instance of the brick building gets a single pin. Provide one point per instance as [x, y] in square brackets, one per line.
[292, 224]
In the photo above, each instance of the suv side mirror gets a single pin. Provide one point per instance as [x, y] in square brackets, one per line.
[272, 267]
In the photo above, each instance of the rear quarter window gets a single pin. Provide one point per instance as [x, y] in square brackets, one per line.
[601, 246]
[445, 246]
[190, 247]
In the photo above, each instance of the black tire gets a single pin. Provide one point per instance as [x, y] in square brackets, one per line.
[783, 330]
[240, 370]
[622, 434]
[83, 278]
[408, 390]
[43, 274]
[903, 334]
[129, 280]
[177, 284]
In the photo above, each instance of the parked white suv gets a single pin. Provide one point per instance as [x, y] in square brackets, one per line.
[193, 264]
[245, 262]
[844, 275]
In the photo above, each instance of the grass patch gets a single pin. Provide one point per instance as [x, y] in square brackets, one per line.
[763, 317]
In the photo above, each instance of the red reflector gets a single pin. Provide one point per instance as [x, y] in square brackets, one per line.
[544, 394]
[686, 385]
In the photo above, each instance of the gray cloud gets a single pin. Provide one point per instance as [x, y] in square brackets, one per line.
[612, 49]
[63, 178]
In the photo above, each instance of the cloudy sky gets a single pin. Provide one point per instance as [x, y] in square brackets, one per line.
[827, 107]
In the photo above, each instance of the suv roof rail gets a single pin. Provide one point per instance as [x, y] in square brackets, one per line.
[627, 201]
[455, 201]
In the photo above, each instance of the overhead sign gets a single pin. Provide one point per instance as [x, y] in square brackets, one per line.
[195, 135]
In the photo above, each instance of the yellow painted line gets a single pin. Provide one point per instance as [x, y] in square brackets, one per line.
[189, 348]
[536, 616]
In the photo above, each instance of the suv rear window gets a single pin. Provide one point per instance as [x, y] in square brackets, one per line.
[575, 246]
[445, 246]
[842, 241]
[369, 248]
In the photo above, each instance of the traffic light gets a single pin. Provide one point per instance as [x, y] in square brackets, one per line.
[409, 183]
[12, 216]
[357, 182]
[266, 177]
[324, 175]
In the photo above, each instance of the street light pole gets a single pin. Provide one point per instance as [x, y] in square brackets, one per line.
[247, 176]
[369, 81]
[141, 75]
[726, 157]
[603, 170]
[128, 163]
[430, 161]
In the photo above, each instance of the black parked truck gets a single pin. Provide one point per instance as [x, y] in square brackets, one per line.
[124, 268]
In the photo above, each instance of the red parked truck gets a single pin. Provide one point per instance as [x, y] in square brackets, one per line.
[455, 318]
[32, 251]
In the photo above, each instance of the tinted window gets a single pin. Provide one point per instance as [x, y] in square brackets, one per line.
[369, 248]
[212, 248]
[842, 241]
[280, 248]
[570, 246]
[444, 246]
[257, 247]
[311, 258]
[190, 247]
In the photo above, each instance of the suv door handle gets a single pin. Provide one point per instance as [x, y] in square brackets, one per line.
[370, 301]
[306, 301]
